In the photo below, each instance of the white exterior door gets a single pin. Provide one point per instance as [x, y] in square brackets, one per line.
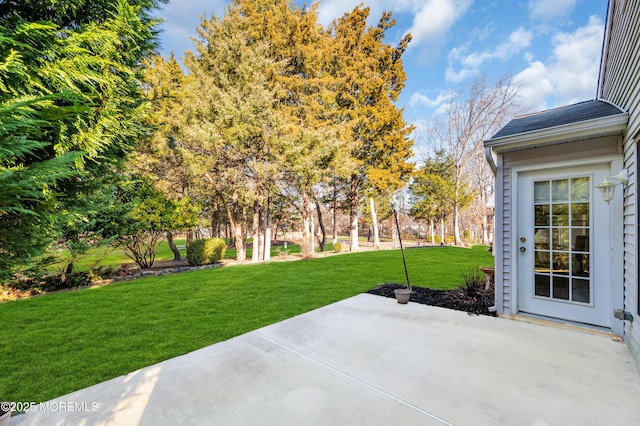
[563, 245]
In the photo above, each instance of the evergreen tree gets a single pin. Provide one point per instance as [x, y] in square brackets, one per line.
[369, 78]
[71, 108]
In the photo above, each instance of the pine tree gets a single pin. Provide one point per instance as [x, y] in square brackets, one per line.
[369, 78]
[71, 109]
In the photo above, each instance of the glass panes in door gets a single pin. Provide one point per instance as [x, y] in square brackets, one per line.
[562, 220]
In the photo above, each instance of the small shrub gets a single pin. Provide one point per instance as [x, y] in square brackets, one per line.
[466, 234]
[205, 251]
[214, 249]
[195, 253]
[437, 239]
[449, 239]
[337, 247]
[472, 282]
[54, 282]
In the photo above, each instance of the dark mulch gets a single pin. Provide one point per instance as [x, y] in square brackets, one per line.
[472, 300]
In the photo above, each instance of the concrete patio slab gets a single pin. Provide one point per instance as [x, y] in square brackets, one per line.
[370, 361]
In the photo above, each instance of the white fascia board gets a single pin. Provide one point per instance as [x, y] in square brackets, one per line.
[597, 127]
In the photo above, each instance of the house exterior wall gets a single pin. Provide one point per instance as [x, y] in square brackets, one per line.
[620, 84]
[592, 150]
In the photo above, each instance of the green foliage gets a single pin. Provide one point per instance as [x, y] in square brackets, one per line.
[71, 13]
[273, 100]
[437, 239]
[139, 218]
[433, 190]
[472, 282]
[206, 251]
[337, 247]
[449, 239]
[215, 249]
[70, 108]
[195, 252]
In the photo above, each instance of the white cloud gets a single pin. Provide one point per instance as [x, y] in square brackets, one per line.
[333, 9]
[454, 76]
[434, 18]
[470, 64]
[570, 74]
[420, 98]
[534, 86]
[518, 40]
[548, 10]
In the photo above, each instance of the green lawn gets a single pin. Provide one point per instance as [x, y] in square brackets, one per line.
[54, 344]
[114, 257]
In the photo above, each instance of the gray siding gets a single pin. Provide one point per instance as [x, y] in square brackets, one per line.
[589, 149]
[507, 285]
[620, 85]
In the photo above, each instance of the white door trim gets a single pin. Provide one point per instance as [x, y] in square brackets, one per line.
[615, 163]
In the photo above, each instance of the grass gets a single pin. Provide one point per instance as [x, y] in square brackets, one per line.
[107, 256]
[110, 257]
[55, 344]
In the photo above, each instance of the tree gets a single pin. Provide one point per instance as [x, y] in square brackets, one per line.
[433, 191]
[71, 109]
[161, 155]
[140, 216]
[473, 115]
[231, 124]
[73, 14]
[369, 78]
[305, 98]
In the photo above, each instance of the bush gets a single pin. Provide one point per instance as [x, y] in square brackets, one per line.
[473, 282]
[54, 282]
[195, 252]
[215, 249]
[205, 251]
[449, 239]
[437, 239]
[337, 247]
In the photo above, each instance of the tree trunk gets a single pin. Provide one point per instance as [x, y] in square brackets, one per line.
[355, 207]
[374, 221]
[442, 229]
[268, 213]
[335, 212]
[234, 214]
[276, 228]
[307, 231]
[432, 230]
[456, 226]
[255, 255]
[67, 270]
[485, 229]
[313, 228]
[215, 221]
[322, 241]
[173, 247]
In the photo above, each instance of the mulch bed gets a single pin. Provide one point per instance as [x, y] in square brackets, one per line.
[474, 301]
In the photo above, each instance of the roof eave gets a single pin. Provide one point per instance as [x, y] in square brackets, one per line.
[597, 127]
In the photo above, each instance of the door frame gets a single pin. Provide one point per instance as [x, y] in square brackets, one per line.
[615, 164]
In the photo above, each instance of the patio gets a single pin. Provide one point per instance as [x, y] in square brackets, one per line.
[368, 360]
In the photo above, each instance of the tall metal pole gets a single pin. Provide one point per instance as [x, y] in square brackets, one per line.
[404, 261]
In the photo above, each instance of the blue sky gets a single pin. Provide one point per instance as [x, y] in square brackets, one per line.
[551, 47]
